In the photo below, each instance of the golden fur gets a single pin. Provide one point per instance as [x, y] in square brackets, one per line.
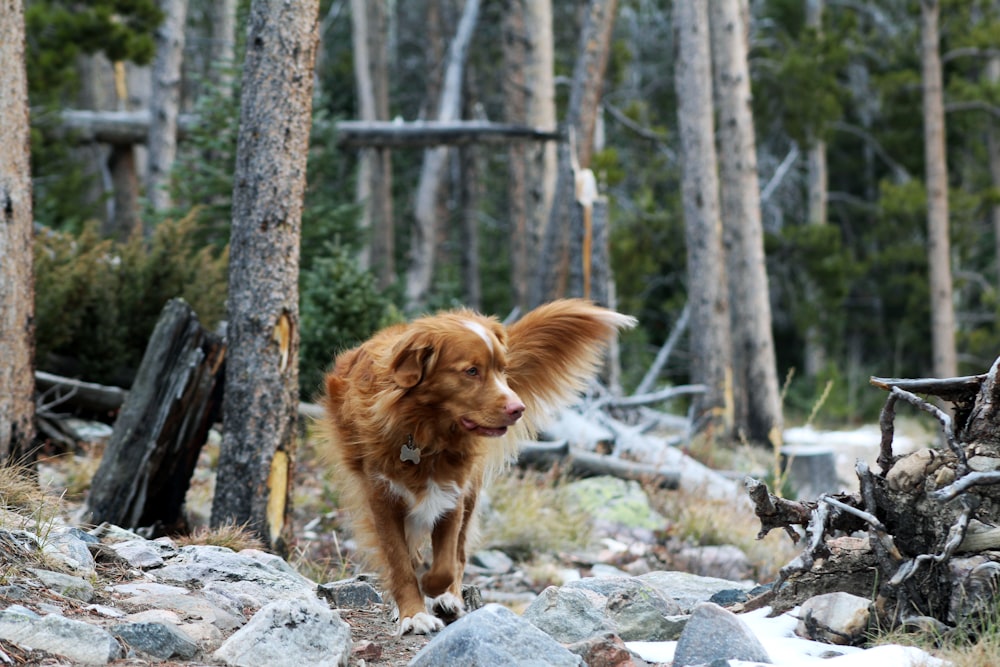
[462, 390]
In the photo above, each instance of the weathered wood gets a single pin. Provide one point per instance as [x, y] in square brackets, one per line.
[164, 421]
[580, 463]
[58, 391]
[115, 127]
[422, 134]
[930, 516]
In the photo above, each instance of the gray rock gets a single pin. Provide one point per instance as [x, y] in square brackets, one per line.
[143, 554]
[569, 614]
[349, 594]
[690, 589]
[247, 579]
[494, 636]
[65, 584]
[75, 640]
[723, 561]
[835, 618]
[493, 561]
[67, 549]
[290, 633]
[714, 633]
[157, 639]
[616, 501]
[638, 611]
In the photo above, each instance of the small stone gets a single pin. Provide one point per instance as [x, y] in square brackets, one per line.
[569, 614]
[835, 618]
[604, 651]
[493, 561]
[65, 584]
[494, 635]
[349, 594]
[157, 639]
[713, 633]
[366, 650]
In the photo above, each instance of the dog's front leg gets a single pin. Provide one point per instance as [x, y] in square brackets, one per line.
[390, 516]
[443, 582]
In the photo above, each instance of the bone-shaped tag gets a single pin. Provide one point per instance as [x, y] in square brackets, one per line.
[409, 453]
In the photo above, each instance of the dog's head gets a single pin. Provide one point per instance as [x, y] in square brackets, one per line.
[456, 363]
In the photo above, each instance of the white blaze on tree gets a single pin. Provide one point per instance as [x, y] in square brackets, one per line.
[17, 285]
[945, 358]
[711, 350]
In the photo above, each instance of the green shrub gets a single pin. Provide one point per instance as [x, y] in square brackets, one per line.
[340, 307]
[97, 301]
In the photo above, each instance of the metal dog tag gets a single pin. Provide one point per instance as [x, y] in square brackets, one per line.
[409, 453]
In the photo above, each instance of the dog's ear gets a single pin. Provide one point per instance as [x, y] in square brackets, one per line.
[411, 359]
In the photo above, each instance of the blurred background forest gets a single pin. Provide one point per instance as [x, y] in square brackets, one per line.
[849, 282]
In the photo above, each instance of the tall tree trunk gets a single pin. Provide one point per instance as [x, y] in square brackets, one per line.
[515, 107]
[165, 102]
[815, 355]
[17, 283]
[374, 181]
[938, 244]
[261, 390]
[223, 51]
[711, 349]
[529, 99]
[756, 396]
[993, 145]
[581, 118]
[425, 229]
[469, 163]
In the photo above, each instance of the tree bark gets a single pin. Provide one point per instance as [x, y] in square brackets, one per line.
[165, 102]
[176, 398]
[756, 395]
[17, 284]
[223, 51]
[552, 266]
[817, 195]
[529, 97]
[425, 229]
[261, 393]
[374, 182]
[945, 360]
[515, 108]
[711, 349]
[992, 75]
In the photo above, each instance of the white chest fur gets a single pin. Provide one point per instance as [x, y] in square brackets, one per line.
[423, 512]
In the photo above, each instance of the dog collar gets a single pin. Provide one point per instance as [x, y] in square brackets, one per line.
[409, 452]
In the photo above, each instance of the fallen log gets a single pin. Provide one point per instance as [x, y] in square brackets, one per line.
[580, 463]
[928, 518]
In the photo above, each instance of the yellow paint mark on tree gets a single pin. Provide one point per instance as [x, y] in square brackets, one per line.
[283, 337]
[277, 485]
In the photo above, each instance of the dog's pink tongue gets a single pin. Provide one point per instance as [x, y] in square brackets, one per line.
[483, 430]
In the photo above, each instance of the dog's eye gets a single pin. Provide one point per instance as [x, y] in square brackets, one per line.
[472, 371]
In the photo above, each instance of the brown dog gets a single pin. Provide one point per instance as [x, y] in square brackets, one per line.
[419, 417]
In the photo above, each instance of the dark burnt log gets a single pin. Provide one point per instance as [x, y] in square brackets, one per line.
[176, 397]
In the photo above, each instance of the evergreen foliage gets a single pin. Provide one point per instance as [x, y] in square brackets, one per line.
[97, 300]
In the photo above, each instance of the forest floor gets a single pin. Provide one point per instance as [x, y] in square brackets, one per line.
[323, 549]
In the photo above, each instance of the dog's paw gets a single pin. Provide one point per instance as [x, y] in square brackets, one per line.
[420, 623]
[448, 607]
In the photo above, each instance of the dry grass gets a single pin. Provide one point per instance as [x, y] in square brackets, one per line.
[695, 518]
[531, 512]
[232, 536]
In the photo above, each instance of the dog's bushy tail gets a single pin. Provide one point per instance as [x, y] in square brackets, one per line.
[555, 349]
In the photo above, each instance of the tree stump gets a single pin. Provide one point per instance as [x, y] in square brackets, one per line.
[930, 549]
[164, 421]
